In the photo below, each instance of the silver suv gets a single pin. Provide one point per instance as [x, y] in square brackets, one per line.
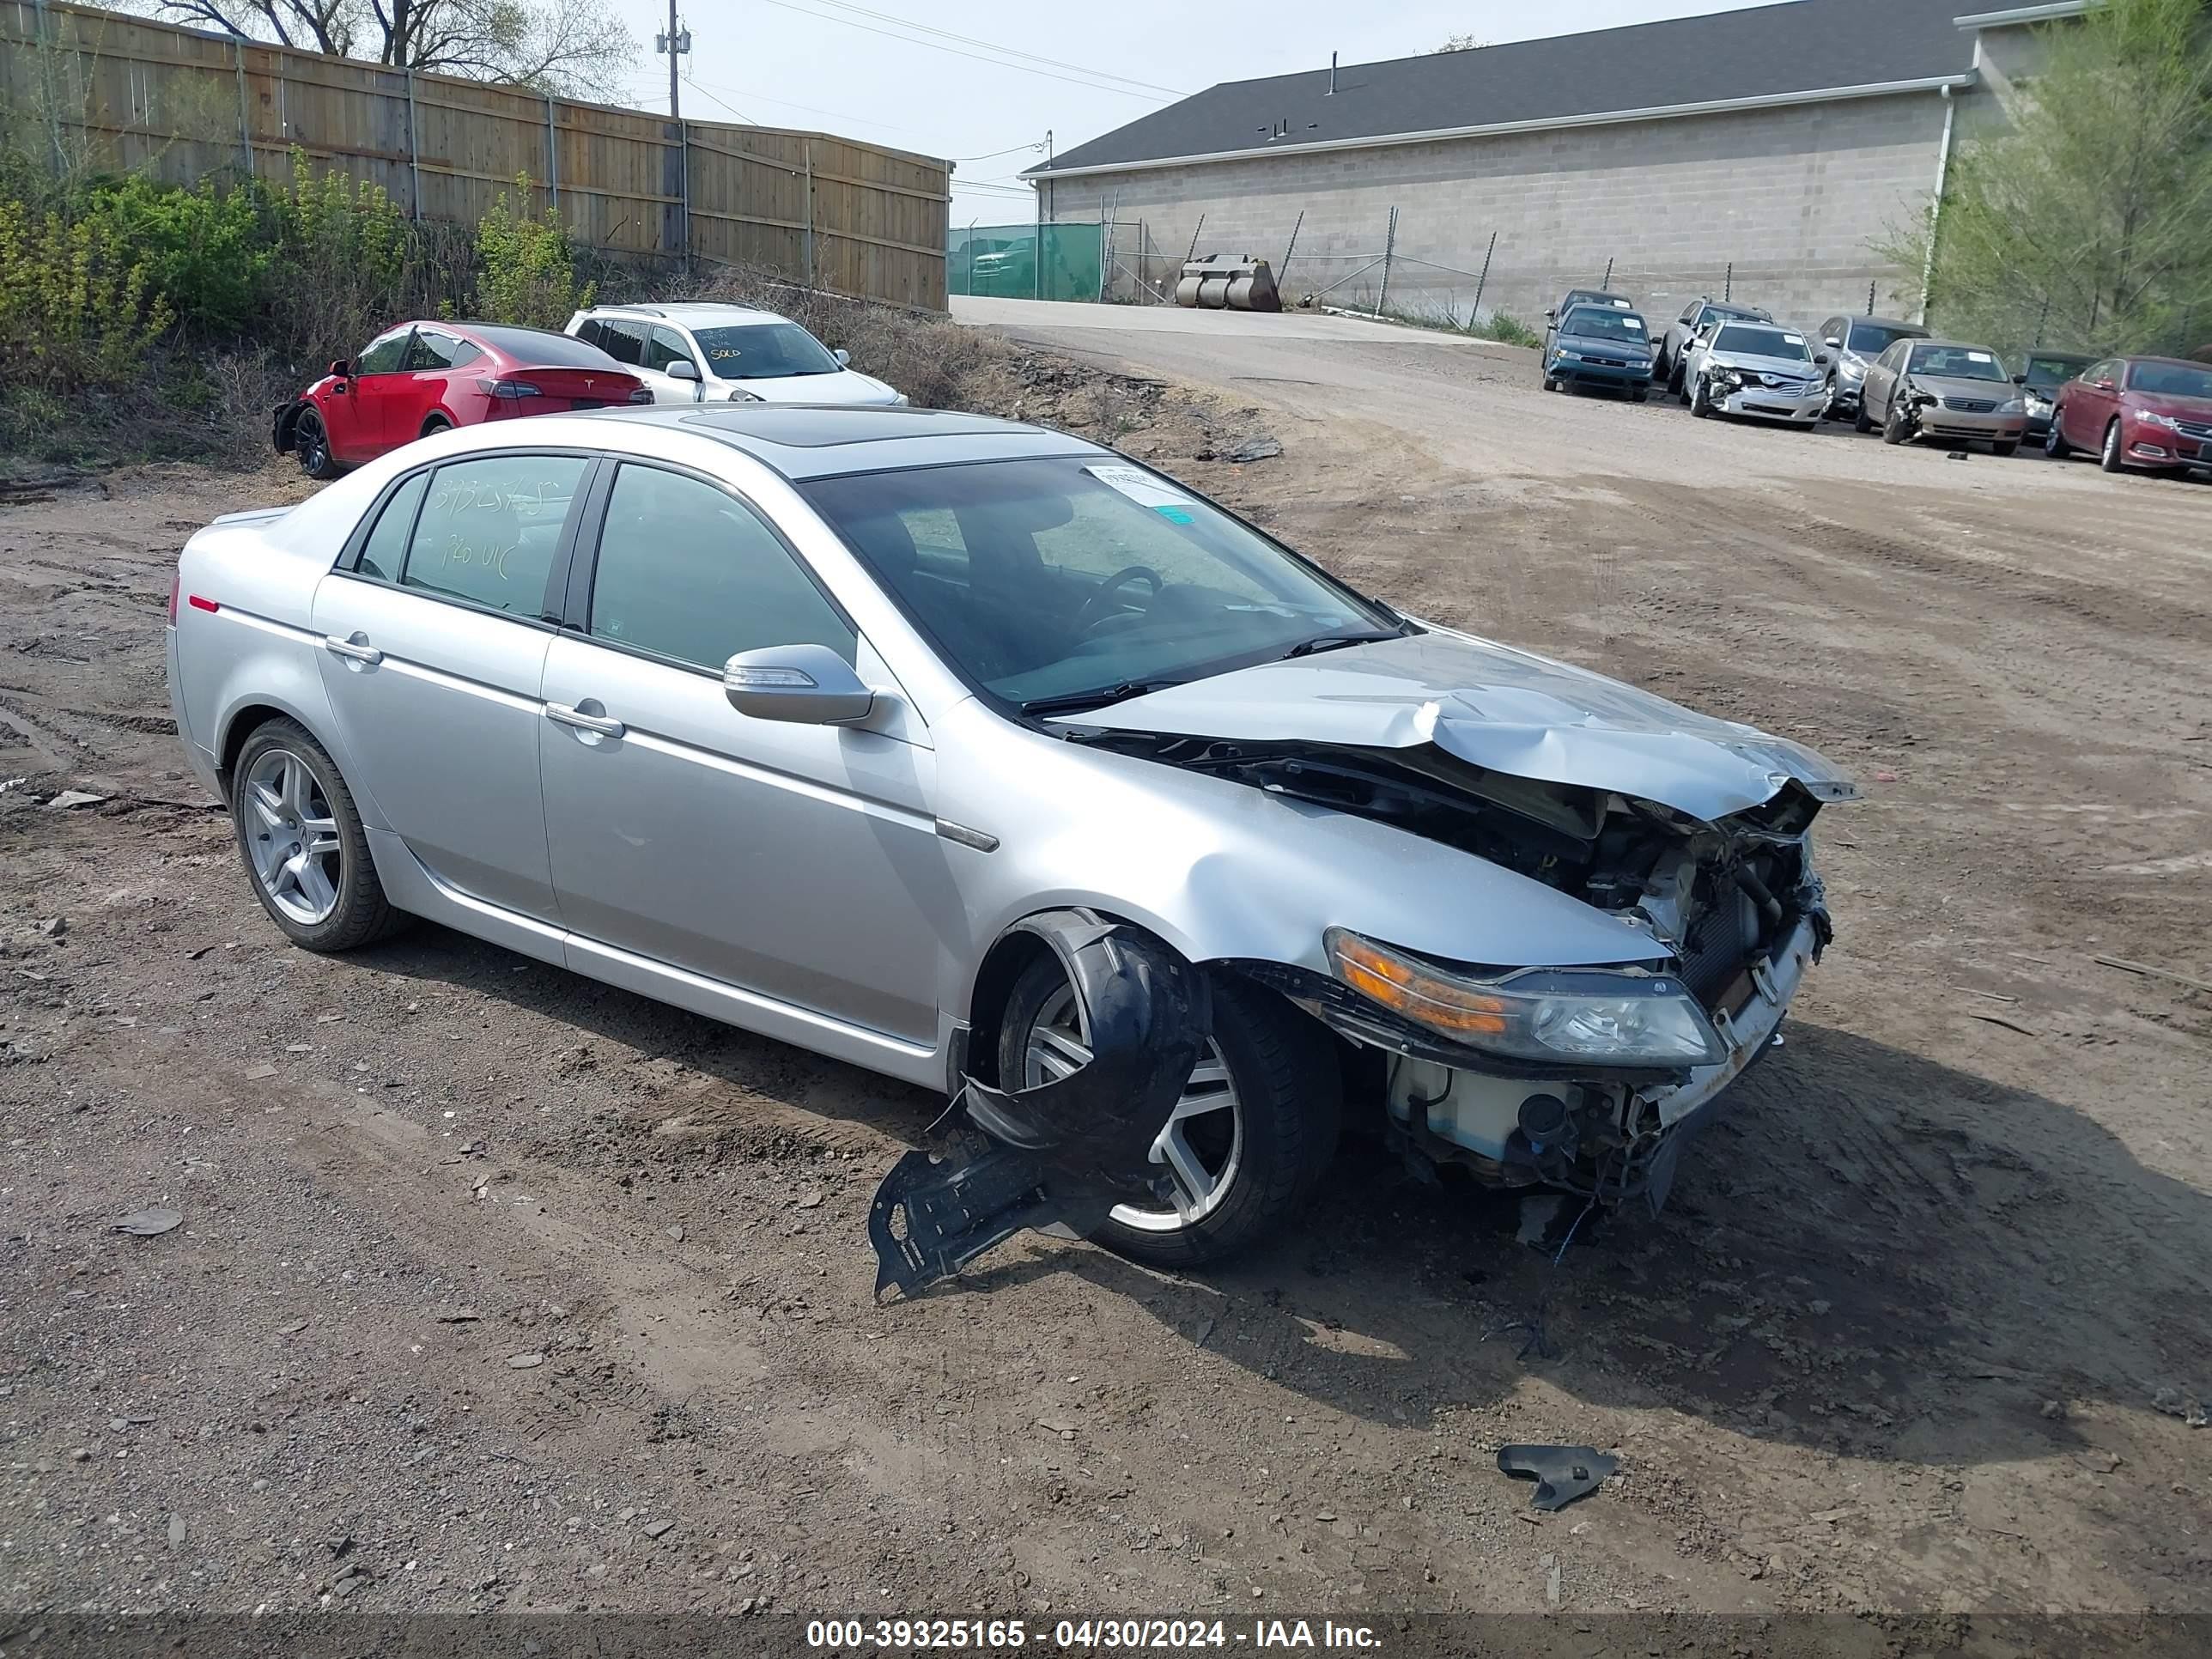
[699, 352]
[1667, 361]
[1853, 342]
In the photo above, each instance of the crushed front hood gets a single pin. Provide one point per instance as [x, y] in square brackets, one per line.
[1494, 707]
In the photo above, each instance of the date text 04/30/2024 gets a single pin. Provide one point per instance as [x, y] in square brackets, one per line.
[1086, 1635]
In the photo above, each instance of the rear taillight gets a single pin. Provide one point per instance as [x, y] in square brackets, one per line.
[642, 395]
[176, 582]
[509, 389]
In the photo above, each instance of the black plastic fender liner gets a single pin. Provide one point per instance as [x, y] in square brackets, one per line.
[1066, 1151]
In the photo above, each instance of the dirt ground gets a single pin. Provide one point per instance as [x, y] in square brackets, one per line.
[499, 1289]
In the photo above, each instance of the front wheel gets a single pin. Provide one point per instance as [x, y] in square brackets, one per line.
[311, 442]
[301, 839]
[1248, 1139]
[2003, 451]
[2109, 458]
[2054, 441]
[1893, 429]
[1701, 402]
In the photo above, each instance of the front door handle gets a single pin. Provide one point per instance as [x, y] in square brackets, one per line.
[561, 714]
[356, 649]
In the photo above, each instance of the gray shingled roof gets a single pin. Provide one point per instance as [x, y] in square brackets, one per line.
[1802, 46]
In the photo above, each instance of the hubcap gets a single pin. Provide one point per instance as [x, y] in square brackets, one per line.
[1204, 1138]
[292, 836]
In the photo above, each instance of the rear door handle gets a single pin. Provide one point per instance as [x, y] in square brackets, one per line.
[561, 714]
[356, 649]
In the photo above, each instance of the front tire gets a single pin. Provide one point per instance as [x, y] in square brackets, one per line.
[301, 840]
[2005, 452]
[2109, 457]
[2054, 441]
[1256, 1127]
[1701, 402]
[311, 442]
[1892, 427]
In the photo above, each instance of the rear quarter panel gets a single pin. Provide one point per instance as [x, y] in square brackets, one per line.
[259, 649]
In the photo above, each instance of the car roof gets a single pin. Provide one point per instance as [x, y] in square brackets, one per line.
[1955, 345]
[819, 441]
[694, 311]
[1889, 322]
[2178, 362]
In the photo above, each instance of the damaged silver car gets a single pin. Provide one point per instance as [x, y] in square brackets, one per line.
[987, 759]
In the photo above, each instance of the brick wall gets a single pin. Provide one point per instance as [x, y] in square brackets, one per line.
[1794, 197]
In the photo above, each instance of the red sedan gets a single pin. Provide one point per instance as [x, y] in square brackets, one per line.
[420, 378]
[2153, 412]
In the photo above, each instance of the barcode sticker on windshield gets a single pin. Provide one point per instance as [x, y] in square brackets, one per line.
[1979, 357]
[1632, 324]
[1795, 340]
[1146, 490]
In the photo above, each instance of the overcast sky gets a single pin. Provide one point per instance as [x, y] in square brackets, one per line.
[859, 69]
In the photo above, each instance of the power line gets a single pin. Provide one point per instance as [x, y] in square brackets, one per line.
[996, 63]
[990, 155]
[708, 89]
[993, 45]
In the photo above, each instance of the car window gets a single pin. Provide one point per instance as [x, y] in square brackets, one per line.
[663, 346]
[434, 350]
[1762, 342]
[1050, 578]
[2051, 371]
[1868, 339]
[764, 351]
[1603, 322]
[381, 553]
[489, 527]
[383, 355]
[1958, 362]
[1688, 312]
[2171, 380]
[687, 571]
[621, 340]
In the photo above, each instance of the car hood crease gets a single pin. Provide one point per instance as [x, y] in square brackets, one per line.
[1493, 706]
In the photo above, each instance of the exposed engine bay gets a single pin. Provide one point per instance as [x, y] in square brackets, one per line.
[1732, 907]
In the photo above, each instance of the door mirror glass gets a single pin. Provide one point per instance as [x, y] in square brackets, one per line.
[808, 684]
[1820, 358]
[844, 357]
[683, 369]
[1832, 343]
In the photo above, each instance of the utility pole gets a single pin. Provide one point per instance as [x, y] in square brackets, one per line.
[676, 40]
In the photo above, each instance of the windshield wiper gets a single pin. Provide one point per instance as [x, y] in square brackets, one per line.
[1074, 702]
[1331, 643]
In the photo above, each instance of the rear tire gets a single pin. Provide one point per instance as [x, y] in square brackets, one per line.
[2109, 457]
[326, 903]
[1288, 1104]
[435, 423]
[1861, 421]
[311, 443]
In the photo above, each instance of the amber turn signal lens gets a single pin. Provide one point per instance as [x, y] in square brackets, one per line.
[1403, 987]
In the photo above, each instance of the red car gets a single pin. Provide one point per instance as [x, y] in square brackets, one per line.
[420, 378]
[2154, 412]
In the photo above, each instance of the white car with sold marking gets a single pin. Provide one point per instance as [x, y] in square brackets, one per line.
[698, 353]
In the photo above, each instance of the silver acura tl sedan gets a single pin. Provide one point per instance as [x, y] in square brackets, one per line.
[987, 759]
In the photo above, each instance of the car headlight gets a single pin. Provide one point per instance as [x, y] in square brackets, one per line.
[2037, 403]
[2165, 421]
[1604, 1017]
[1564, 355]
[2012, 406]
[1726, 379]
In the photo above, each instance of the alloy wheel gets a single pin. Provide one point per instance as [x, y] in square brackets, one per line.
[313, 443]
[298, 855]
[1202, 1141]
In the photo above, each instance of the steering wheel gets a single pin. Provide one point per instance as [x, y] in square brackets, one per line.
[1085, 621]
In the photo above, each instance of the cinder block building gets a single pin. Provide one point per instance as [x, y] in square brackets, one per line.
[1768, 153]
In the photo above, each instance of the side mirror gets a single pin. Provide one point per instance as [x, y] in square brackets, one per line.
[1832, 343]
[342, 368]
[805, 684]
[681, 369]
[2019, 380]
[1820, 360]
[1552, 316]
[844, 357]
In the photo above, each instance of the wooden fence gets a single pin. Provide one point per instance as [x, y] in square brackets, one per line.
[180, 104]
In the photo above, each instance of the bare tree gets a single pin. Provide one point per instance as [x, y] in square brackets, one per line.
[576, 47]
[1457, 43]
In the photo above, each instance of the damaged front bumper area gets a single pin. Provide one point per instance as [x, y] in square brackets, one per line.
[1065, 1152]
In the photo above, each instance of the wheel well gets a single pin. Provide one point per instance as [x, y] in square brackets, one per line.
[436, 421]
[1007, 961]
[243, 725]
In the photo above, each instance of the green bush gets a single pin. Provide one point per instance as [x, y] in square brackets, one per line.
[1506, 329]
[78, 308]
[340, 269]
[526, 266]
[208, 252]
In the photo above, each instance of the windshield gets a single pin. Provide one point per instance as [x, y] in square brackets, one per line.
[2171, 380]
[1872, 339]
[1045, 580]
[1748, 313]
[2054, 371]
[1762, 342]
[1952, 362]
[1592, 296]
[763, 351]
[1603, 323]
